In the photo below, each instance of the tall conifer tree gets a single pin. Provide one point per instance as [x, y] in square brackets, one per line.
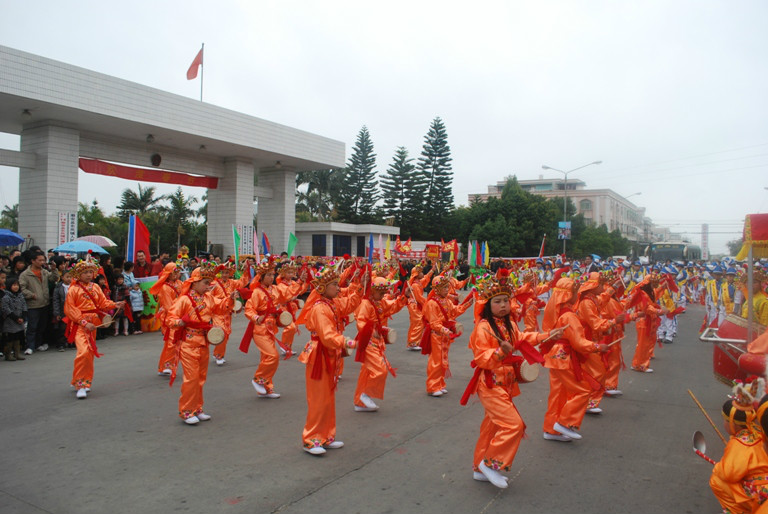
[435, 167]
[393, 185]
[359, 192]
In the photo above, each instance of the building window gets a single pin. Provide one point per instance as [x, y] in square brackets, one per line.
[585, 205]
[361, 246]
[318, 244]
[341, 244]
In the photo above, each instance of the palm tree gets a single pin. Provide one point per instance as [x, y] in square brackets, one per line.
[179, 212]
[137, 203]
[9, 217]
[321, 192]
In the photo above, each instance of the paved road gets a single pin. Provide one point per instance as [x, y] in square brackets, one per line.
[124, 450]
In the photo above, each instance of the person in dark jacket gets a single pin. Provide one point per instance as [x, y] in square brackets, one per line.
[14, 309]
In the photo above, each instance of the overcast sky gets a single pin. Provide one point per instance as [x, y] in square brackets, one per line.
[670, 95]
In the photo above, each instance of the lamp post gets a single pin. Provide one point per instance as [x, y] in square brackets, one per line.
[565, 190]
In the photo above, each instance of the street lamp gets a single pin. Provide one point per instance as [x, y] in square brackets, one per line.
[565, 190]
[633, 194]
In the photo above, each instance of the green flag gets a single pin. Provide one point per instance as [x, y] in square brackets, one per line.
[236, 240]
[292, 240]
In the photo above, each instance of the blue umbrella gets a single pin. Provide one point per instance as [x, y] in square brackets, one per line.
[79, 247]
[10, 238]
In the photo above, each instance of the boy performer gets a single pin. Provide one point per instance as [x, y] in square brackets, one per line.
[166, 290]
[224, 286]
[371, 317]
[191, 316]
[262, 311]
[286, 276]
[440, 315]
[84, 307]
[415, 291]
[324, 316]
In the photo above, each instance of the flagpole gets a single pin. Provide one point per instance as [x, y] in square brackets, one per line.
[202, 71]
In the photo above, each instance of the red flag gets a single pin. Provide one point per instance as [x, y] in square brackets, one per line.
[192, 71]
[543, 241]
[138, 238]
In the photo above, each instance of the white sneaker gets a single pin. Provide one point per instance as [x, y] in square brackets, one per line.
[203, 416]
[334, 445]
[316, 450]
[479, 476]
[28, 352]
[556, 437]
[365, 409]
[259, 388]
[192, 420]
[649, 370]
[613, 392]
[43, 348]
[444, 390]
[568, 432]
[436, 394]
[493, 476]
[368, 402]
[269, 395]
[415, 349]
[82, 394]
[167, 372]
[219, 362]
[595, 410]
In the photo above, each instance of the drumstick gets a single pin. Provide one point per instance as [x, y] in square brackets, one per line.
[707, 416]
[495, 336]
[113, 318]
[613, 343]
[550, 337]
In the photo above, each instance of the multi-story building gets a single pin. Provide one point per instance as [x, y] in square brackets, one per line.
[599, 206]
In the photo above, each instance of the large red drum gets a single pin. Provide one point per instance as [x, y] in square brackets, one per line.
[725, 362]
[735, 327]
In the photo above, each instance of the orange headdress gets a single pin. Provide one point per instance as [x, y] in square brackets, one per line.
[206, 270]
[168, 269]
[561, 293]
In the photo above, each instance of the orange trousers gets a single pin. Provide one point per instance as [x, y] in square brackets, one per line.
[194, 362]
[82, 374]
[501, 431]
[289, 333]
[612, 370]
[595, 366]
[416, 328]
[437, 365]
[220, 350]
[731, 496]
[646, 339]
[320, 426]
[268, 362]
[373, 374]
[168, 355]
[568, 400]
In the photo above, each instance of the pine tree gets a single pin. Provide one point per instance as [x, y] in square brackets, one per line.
[393, 184]
[359, 192]
[435, 167]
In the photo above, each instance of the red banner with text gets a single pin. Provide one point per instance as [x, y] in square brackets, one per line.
[146, 175]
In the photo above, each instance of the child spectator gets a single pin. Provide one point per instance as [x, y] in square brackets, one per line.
[137, 306]
[128, 276]
[14, 309]
[59, 297]
[120, 294]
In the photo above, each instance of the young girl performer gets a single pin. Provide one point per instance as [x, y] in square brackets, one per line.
[84, 307]
[166, 290]
[224, 286]
[643, 299]
[261, 309]
[191, 317]
[323, 315]
[372, 316]
[440, 321]
[415, 291]
[493, 342]
[569, 384]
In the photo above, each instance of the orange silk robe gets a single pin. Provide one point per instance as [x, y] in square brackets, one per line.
[415, 304]
[373, 372]
[502, 428]
[292, 306]
[568, 396]
[223, 289]
[438, 365]
[740, 479]
[265, 333]
[165, 298]
[322, 356]
[646, 332]
[75, 307]
[597, 329]
[192, 349]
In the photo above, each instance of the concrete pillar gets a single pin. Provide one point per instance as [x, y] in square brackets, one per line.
[231, 203]
[277, 215]
[50, 188]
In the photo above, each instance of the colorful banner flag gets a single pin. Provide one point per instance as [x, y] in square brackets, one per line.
[236, 241]
[370, 249]
[543, 241]
[472, 257]
[265, 243]
[486, 255]
[482, 253]
[109, 169]
[292, 240]
[138, 238]
[381, 249]
[194, 67]
[387, 252]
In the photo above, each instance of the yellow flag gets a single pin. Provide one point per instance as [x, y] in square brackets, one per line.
[387, 253]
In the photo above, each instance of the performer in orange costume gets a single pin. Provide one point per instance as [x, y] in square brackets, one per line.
[323, 315]
[614, 358]
[372, 316]
[224, 287]
[440, 321]
[592, 300]
[262, 311]
[569, 384]
[166, 290]
[643, 299]
[191, 317]
[84, 307]
[495, 380]
[740, 480]
[532, 303]
[415, 291]
[286, 273]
